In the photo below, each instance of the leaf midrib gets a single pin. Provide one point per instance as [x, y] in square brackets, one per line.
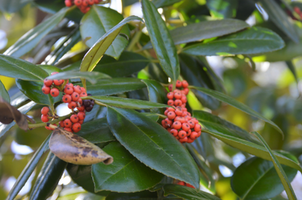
[250, 188]
[159, 147]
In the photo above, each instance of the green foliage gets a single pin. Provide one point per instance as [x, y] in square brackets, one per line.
[129, 62]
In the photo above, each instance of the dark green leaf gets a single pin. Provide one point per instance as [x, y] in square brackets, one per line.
[127, 64]
[292, 68]
[161, 40]
[205, 30]
[48, 178]
[229, 100]
[153, 145]
[95, 53]
[137, 195]
[239, 141]
[125, 174]
[33, 90]
[17, 68]
[125, 102]
[254, 185]
[90, 76]
[3, 92]
[193, 70]
[156, 93]
[152, 116]
[96, 131]
[222, 8]
[187, 192]
[27, 171]
[252, 41]
[30, 39]
[114, 86]
[97, 22]
[164, 3]
[280, 19]
[280, 171]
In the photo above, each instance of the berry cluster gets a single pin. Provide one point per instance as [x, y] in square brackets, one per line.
[185, 184]
[179, 121]
[83, 5]
[71, 96]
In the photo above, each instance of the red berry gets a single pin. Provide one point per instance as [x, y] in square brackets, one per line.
[181, 183]
[171, 115]
[81, 109]
[81, 121]
[170, 95]
[54, 92]
[45, 89]
[177, 102]
[177, 95]
[83, 89]
[90, 2]
[185, 91]
[166, 123]
[194, 135]
[185, 84]
[184, 99]
[85, 3]
[174, 132]
[183, 140]
[170, 102]
[66, 98]
[197, 127]
[58, 82]
[77, 89]
[178, 83]
[189, 185]
[180, 119]
[44, 110]
[176, 125]
[178, 112]
[170, 87]
[182, 134]
[74, 118]
[68, 3]
[48, 82]
[191, 123]
[68, 89]
[68, 129]
[78, 2]
[185, 127]
[171, 109]
[76, 127]
[72, 105]
[44, 118]
[83, 94]
[81, 115]
[67, 123]
[61, 123]
[80, 101]
[190, 140]
[75, 96]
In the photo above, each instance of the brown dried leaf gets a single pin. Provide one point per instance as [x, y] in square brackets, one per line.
[8, 113]
[75, 149]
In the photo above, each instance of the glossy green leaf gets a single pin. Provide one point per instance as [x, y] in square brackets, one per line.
[222, 8]
[156, 93]
[33, 90]
[153, 145]
[17, 68]
[195, 72]
[229, 100]
[251, 41]
[96, 131]
[187, 192]
[254, 185]
[161, 40]
[127, 64]
[92, 77]
[97, 22]
[205, 30]
[125, 102]
[280, 18]
[125, 174]
[3, 92]
[48, 178]
[95, 53]
[280, 171]
[239, 141]
[153, 116]
[114, 86]
[30, 39]
[27, 171]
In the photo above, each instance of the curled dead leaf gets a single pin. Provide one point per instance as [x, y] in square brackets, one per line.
[8, 113]
[74, 149]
